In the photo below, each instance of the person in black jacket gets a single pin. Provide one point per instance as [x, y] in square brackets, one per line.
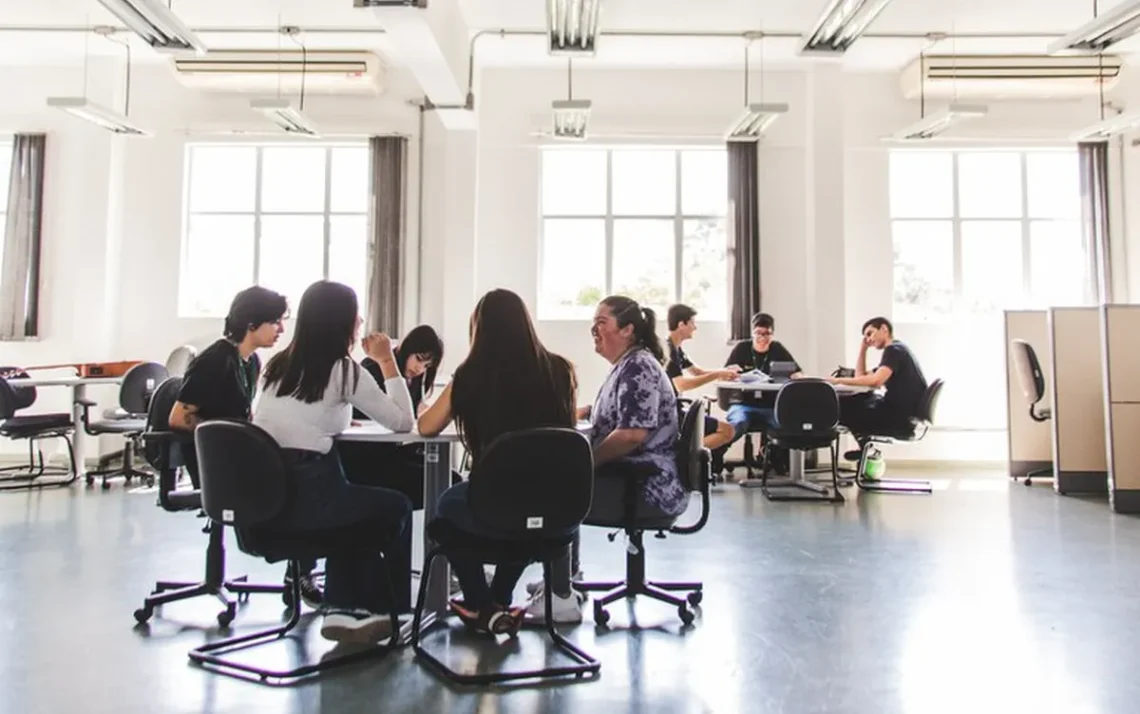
[757, 354]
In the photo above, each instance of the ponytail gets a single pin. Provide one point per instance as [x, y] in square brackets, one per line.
[644, 320]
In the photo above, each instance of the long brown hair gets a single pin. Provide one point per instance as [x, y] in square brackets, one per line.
[509, 380]
[322, 339]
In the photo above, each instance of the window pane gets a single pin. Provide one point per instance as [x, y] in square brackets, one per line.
[704, 183]
[292, 255]
[573, 182]
[1059, 266]
[704, 281]
[922, 184]
[923, 270]
[293, 179]
[348, 254]
[644, 265]
[1054, 184]
[219, 263]
[349, 180]
[573, 268]
[989, 185]
[991, 266]
[645, 183]
[222, 178]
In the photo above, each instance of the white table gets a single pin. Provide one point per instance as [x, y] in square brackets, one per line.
[840, 389]
[78, 393]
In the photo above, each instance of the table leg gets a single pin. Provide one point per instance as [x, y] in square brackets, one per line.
[437, 479]
[79, 441]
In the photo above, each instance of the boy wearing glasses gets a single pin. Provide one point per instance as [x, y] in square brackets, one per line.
[758, 354]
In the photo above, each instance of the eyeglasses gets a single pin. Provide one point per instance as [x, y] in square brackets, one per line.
[762, 333]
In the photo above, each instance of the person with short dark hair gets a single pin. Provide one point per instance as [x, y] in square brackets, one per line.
[758, 354]
[898, 374]
[687, 376]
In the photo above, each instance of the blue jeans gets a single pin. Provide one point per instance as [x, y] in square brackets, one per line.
[749, 417]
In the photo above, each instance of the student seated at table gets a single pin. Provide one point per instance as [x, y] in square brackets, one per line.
[898, 374]
[757, 354]
[685, 375]
[509, 382]
[634, 431]
[397, 466]
[310, 390]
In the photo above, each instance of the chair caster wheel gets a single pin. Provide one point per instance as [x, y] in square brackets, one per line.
[686, 615]
[149, 483]
[695, 598]
[601, 616]
[106, 486]
[225, 618]
[143, 614]
[89, 480]
[127, 478]
[243, 598]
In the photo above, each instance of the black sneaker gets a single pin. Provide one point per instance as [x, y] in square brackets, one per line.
[853, 455]
[311, 594]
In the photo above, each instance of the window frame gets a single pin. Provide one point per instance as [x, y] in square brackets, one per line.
[326, 214]
[956, 221]
[678, 219]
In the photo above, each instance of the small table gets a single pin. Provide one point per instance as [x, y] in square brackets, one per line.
[78, 394]
[796, 476]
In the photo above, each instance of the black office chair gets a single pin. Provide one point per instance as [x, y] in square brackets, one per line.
[129, 420]
[35, 428]
[535, 486]
[245, 485]
[807, 411]
[160, 443]
[918, 429]
[1032, 381]
[693, 469]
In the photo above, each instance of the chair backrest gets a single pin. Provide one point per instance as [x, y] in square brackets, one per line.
[138, 385]
[1028, 370]
[12, 396]
[242, 474]
[179, 360]
[689, 445]
[158, 419]
[807, 406]
[535, 482]
[930, 402]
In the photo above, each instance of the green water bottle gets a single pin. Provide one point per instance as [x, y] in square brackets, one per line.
[875, 466]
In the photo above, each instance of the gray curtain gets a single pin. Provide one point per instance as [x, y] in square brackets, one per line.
[1094, 215]
[20, 269]
[386, 223]
[744, 221]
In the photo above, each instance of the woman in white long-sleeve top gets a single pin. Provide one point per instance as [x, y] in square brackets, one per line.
[309, 391]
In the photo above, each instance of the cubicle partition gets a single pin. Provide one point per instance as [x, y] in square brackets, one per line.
[1121, 344]
[1077, 378]
[1030, 441]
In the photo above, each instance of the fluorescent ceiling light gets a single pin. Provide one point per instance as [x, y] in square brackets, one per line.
[755, 120]
[1100, 33]
[935, 124]
[841, 23]
[153, 21]
[107, 118]
[282, 113]
[572, 26]
[1103, 130]
[570, 116]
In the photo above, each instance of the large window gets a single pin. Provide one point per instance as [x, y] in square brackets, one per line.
[643, 222]
[977, 232]
[277, 215]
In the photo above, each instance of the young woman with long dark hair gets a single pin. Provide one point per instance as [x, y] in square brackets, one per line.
[310, 390]
[509, 382]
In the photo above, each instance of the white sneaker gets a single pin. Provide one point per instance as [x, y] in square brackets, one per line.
[356, 626]
[534, 587]
[566, 609]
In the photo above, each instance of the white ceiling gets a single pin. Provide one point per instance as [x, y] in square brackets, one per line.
[900, 16]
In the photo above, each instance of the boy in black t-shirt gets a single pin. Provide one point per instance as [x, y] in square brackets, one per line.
[898, 373]
[759, 353]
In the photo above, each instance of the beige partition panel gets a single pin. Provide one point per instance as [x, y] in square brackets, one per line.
[1121, 340]
[1030, 441]
[1080, 464]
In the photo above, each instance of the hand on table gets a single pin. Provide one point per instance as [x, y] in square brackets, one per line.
[729, 375]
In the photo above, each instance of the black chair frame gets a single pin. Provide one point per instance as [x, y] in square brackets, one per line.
[134, 405]
[791, 440]
[921, 427]
[51, 426]
[25, 476]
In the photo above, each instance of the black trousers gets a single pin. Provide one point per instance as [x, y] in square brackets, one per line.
[867, 414]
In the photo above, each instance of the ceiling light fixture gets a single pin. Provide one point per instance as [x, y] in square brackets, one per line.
[756, 118]
[572, 26]
[570, 114]
[84, 108]
[1106, 129]
[282, 113]
[931, 126]
[156, 24]
[841, 23]
[1102, 32]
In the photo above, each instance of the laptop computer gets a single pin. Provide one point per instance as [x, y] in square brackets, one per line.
[781, 372]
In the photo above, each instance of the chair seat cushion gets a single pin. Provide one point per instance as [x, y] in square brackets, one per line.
[22, 427]
[800, 441]
[456, 542]
[118, 426]
[275, 544]
[655, 522]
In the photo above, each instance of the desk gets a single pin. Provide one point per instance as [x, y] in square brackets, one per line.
[78, 393]
[437, 478]
[795, 458]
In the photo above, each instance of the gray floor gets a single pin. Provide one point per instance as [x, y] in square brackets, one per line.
[984, 597]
